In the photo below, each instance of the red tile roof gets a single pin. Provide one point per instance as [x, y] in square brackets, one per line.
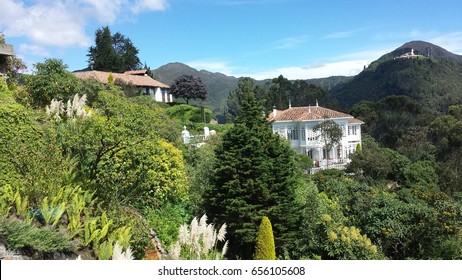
[307, 113]
[352, 121]
[135, 79]
[136, 72]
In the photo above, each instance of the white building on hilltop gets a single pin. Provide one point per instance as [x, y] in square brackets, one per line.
[296, 125]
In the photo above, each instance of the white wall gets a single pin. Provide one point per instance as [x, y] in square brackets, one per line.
[351, 137]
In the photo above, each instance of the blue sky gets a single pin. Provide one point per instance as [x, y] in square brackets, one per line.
[299, 39]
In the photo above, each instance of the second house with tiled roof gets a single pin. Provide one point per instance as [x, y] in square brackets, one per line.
[296, 125]
[139, 78]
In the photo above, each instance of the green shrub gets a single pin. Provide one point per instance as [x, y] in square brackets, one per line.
[189, 114]
[265, 249]
[166, 220]
[21, 235]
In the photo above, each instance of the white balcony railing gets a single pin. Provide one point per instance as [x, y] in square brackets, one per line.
[339, 164]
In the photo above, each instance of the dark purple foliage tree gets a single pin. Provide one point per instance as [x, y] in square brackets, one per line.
[188, 87]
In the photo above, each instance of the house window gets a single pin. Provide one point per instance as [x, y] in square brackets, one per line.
[353, 130]
[311, 135]
[303, 131]
[281, 131]
[292, 133]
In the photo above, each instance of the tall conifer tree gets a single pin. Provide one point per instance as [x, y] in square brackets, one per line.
[254, 177]
[112, 52]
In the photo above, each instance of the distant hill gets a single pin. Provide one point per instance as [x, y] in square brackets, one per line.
[330, 82]
[433, 77]
[218, 84]
[422, 48]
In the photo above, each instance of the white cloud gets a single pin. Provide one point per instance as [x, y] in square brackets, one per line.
[340, 35]
[312, 71]
[366, 55]
[104, 11]
[451, 42]
[349, 33]
[211, 66]
[44, 23]
[149, 5]
[290, 43]
[246, 2]
[33, 50]
[62, 22]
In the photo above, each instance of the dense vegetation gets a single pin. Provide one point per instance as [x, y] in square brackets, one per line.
[86, 167]
[435, 83]
[219, 87]
[96, 175]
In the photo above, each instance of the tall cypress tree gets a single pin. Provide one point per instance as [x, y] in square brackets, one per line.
[254, 177]
[114, 53]
[265, 249]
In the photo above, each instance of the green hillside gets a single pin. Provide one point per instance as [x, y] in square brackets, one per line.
[218, 85]
[433, 78]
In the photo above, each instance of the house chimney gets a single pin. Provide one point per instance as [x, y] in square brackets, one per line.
[274, 111]
[317, 105]
[290, 105]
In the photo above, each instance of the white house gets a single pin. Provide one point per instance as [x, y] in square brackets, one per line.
[296, 125]
[139, 78]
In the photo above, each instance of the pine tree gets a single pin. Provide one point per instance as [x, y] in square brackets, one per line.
[112, 52]
[265, 249]
[254, 177]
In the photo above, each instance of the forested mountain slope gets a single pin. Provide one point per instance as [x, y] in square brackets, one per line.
[432, 77]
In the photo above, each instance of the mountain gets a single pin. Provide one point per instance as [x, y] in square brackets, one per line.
[432, 76]
[330, 82]
[218, 85]
[422, 48]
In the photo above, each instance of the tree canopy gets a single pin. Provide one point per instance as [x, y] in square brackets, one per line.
[331, 134]
[112, 52]
[188, 87]
[51, 80]
[254, 177]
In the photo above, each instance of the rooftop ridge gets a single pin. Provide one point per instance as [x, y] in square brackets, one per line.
[307, 113]
[137, 80]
